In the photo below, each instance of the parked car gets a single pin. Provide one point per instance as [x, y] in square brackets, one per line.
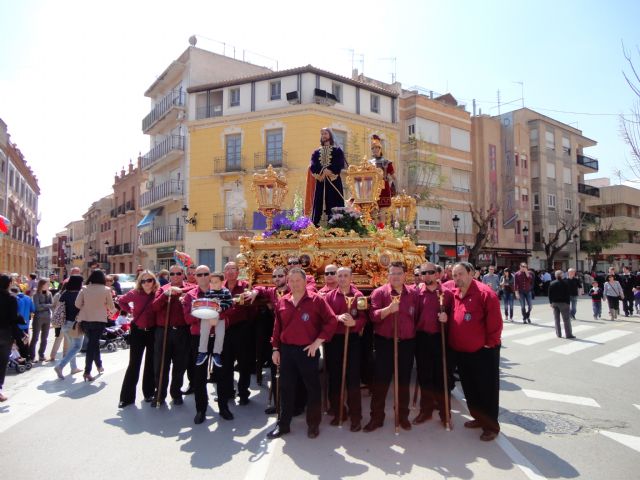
[127, 281]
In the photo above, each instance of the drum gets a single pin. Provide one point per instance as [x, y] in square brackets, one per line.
[205, 308]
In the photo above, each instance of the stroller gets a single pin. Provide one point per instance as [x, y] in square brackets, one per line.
[113, 338]
[18, 363]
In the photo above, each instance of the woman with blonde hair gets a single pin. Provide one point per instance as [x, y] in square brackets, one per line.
[138, 302]
[95, 304]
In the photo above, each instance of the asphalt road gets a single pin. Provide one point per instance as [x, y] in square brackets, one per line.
[569, 409]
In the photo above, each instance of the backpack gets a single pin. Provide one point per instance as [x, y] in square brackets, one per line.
[59, 315]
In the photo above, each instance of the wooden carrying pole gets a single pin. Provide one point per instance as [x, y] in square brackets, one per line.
[164, 351]
[344, 363]
[445, 376]
[396, 402]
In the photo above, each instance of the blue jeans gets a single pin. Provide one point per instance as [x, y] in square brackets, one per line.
[75, 344]
[574, 306]
[597, 309]
[507, 298]
[525, 297]
[93, 331]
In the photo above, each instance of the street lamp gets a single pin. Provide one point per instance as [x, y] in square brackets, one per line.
[575, 240]
[456, 223]
[525, 234]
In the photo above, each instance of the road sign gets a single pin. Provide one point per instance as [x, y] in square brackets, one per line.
[434, 248]
[433, 258]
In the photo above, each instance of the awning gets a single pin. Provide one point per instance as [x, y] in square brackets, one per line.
[149, 217]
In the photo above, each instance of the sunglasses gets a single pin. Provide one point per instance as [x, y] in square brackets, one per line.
[147, 280]
[173, 274]
[427, 272]
[293, 263]
[329, 273]
[202, 274]
[277, 276]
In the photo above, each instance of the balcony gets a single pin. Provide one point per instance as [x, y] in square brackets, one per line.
[162, 192]
[120, 210]
[208, 111]
[159, 235]
[226, 164]
[588, 218]
[174, 100]
[114, 250]
[170, 148]
[130, 205]
[228, 221]
[588, 190]
[113, 213]
[588, 162]
[276, 158]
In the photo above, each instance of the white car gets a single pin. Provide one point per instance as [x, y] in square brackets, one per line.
[127, 281]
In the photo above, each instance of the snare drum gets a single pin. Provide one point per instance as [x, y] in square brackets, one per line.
[205, 308]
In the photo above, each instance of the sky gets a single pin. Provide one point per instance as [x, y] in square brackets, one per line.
[73, 73]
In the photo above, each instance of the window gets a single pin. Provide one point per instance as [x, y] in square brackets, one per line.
[551, 201]
[465, 224]
[234, 97]
[566, 145]
[233, 147]
[411, 130]
[566, 175]
[375, 103]
[518, 227]
[525, 194]
[535, 170]
[525, 161]
[275, 89]
[11, 177]
[551, 170]
[550, 140]
[567, 205]
[460, 180]
[207, 257]
[274, 147]
[336, 89]
[536, 201]
[533, 137]
[516, 193]
[460, 139]
[429, 219]
[536, 237]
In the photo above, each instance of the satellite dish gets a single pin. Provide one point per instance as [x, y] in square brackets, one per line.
[193, 40]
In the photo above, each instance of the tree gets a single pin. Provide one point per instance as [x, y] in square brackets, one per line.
[630, 123]
[484, 220]
[603, 237]
[422, 172]
[555, 242]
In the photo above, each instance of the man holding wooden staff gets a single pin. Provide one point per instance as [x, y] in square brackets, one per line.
[304, 321]
[393, 303]
[474, 336]
[429, 355]
[343, 351]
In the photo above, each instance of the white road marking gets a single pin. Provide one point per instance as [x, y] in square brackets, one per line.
[583, 344]
[637, 406]
[626, 440]
[620, 357]
[543, 337]
[518, 330]
[559, 397]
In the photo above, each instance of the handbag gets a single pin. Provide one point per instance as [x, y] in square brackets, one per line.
[76, 330]
[59, 315]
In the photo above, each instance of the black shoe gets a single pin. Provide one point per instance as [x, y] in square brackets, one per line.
[158, 404]
[199, 418]
[488, 435]
[472, 424]
[405, 424]
[270, 410]
[355, 426]
[178, 401]
[313, 432]
[188, 391]
[422, 417]
[148, 399]
[225, 412]
[571, 336]
[528, 320]
[278, 432]
[243, 401]
[123, 404]
[372, 425]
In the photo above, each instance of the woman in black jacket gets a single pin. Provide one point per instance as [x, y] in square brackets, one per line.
[73, 287]
[8, 327]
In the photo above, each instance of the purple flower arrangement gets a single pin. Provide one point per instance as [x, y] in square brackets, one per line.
[283, 223]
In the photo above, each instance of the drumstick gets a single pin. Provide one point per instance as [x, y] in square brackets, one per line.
[344, 361]
[396, 402]
[164, 349]
[447, 419]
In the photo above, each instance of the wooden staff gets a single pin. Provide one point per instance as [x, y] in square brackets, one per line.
[344, 361]
[325, 381]
[274, 392]
[278, 392]
[447, 419]
[164, 351]
[396, 402]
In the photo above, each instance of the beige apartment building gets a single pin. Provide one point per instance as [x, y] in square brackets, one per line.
[94, 231]
[165, 166]
[436, 162]
[123, 250]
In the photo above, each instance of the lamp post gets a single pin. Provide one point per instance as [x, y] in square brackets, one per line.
[525, 234]
[576, 237]
[456, 223]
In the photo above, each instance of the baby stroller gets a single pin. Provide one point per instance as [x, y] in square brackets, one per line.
[20, 365]
[112, 338]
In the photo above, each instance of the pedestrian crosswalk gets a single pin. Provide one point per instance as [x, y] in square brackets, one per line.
[607, 343]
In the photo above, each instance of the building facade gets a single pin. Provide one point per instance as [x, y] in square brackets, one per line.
[75, 245]
[97, 231]
[19, 193]
[242, 126]
[165, 165]
[44, 261]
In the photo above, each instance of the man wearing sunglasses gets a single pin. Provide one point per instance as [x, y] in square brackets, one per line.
[330, 279]
[295, 262]
[429, 344]
[176, 348]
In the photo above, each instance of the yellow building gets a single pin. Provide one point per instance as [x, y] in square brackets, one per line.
[244, 125]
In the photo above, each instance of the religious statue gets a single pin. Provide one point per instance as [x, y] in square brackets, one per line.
[386, 166]
[324, 185]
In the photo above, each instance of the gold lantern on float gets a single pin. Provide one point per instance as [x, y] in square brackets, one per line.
[270, 189]
[404, 208]
[365, 182]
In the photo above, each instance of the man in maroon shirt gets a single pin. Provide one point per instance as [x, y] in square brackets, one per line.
[330, 280]
[429, 344]
[238, 342]
[303, 322]
[523, 281]
[177, 346]
[474, 336]
[348, 316]
[383, 312]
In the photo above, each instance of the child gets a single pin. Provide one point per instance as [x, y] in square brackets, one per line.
[636, 297]
[596, 300]
[225, 300]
